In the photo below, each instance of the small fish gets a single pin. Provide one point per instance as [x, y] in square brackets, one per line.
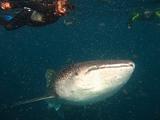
[85, 83]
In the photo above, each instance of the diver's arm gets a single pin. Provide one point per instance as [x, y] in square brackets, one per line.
[37, 6]
[7, 5]
[17, 21]
[11, 4]
[10, 25]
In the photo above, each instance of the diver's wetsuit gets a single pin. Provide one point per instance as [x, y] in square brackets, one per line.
[24, 17]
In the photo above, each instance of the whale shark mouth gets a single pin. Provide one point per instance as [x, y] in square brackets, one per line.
[121, 65]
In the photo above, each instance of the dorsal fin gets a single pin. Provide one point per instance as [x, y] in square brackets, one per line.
[50, 76]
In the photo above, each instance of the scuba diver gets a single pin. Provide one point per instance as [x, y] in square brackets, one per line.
[33, 13]
[144, 15]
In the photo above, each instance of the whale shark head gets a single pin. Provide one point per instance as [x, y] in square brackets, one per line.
[92, 81]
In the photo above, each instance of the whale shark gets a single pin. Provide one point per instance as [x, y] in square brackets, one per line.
[85, 83]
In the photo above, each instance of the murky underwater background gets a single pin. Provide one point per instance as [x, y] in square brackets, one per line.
[98, 31]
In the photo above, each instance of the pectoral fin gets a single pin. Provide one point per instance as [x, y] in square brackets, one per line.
[33, 100]
[7, 107]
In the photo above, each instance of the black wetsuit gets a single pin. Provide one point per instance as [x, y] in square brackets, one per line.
[23, 17]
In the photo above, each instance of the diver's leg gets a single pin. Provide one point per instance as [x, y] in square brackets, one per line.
[4, 22]
[17, 21]
[7, 5]
[11, 24]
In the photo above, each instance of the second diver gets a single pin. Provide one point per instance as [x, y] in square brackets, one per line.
[144, 15]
